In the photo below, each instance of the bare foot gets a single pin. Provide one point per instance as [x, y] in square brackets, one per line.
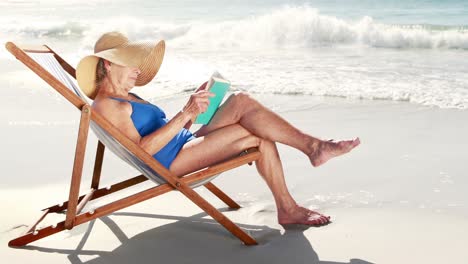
[329, 149]
[301, 215]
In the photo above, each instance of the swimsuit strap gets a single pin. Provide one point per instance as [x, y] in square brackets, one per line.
[134, 94]
[130, 101]
[119, 99]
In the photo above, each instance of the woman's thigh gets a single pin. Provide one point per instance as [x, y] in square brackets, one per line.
[228, 113]
[214, 147]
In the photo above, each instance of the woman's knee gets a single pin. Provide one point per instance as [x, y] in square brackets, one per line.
[246, 142]
[244, 100]
[266, 145]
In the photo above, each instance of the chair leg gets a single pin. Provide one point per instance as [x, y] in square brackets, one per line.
[217, 215]
[221, 195]
[78, 166]
[98, 166]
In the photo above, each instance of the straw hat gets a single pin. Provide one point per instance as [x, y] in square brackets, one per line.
[116, 48]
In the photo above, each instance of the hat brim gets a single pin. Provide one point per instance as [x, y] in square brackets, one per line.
[148, 57]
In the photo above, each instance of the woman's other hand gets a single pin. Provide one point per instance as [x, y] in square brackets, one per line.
[198, 103]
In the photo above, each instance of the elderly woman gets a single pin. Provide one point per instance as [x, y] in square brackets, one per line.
[240, 122]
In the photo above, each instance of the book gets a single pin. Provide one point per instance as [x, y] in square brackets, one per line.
[219, 86]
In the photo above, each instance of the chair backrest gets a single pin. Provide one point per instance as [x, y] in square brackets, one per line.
[49, 62]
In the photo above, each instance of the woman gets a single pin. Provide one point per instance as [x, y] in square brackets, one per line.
[241, 122]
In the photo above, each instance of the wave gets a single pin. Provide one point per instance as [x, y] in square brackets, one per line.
[288, 26]
[57, 30]
[306, 27]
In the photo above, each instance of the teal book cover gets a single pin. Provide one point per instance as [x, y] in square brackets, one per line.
[219, 88]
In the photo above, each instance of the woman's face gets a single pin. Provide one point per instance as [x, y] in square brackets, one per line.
[123, 77]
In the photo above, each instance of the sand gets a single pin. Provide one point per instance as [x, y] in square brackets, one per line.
[398, 198]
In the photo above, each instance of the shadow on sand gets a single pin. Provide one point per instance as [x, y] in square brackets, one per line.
[197, 240]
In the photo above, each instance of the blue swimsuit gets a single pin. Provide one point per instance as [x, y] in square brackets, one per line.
[148, 118]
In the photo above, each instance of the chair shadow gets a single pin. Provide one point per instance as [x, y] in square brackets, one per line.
[197, 240]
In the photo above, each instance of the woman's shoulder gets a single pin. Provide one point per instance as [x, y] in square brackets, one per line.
[108, 106]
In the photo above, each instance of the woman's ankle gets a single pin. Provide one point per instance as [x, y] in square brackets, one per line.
[313, 146]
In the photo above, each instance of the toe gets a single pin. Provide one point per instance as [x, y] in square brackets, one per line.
[321, 221]
[324, 220]
[317, 221]
[325, 216]
[357, 141]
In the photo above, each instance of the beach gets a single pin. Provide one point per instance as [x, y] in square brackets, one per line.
[393, 73]
[397, 198]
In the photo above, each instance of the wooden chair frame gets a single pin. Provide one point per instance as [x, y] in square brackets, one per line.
[75, 203]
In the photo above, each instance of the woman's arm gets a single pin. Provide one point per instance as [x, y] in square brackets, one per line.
[118, 113]
[198, 103]
[155, 141]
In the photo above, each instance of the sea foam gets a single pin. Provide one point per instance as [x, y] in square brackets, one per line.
[301, 26]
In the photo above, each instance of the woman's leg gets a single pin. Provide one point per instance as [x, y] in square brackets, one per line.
[212, 148]
[264, 123]
[229, 141]
[269, 166]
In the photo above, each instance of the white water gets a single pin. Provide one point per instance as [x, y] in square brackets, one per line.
[272, 49]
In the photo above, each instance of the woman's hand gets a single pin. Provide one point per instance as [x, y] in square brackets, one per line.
[198, 103]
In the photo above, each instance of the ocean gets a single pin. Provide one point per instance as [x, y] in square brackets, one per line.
[415, 51]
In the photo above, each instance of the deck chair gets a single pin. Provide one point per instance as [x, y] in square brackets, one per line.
[60, 75]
